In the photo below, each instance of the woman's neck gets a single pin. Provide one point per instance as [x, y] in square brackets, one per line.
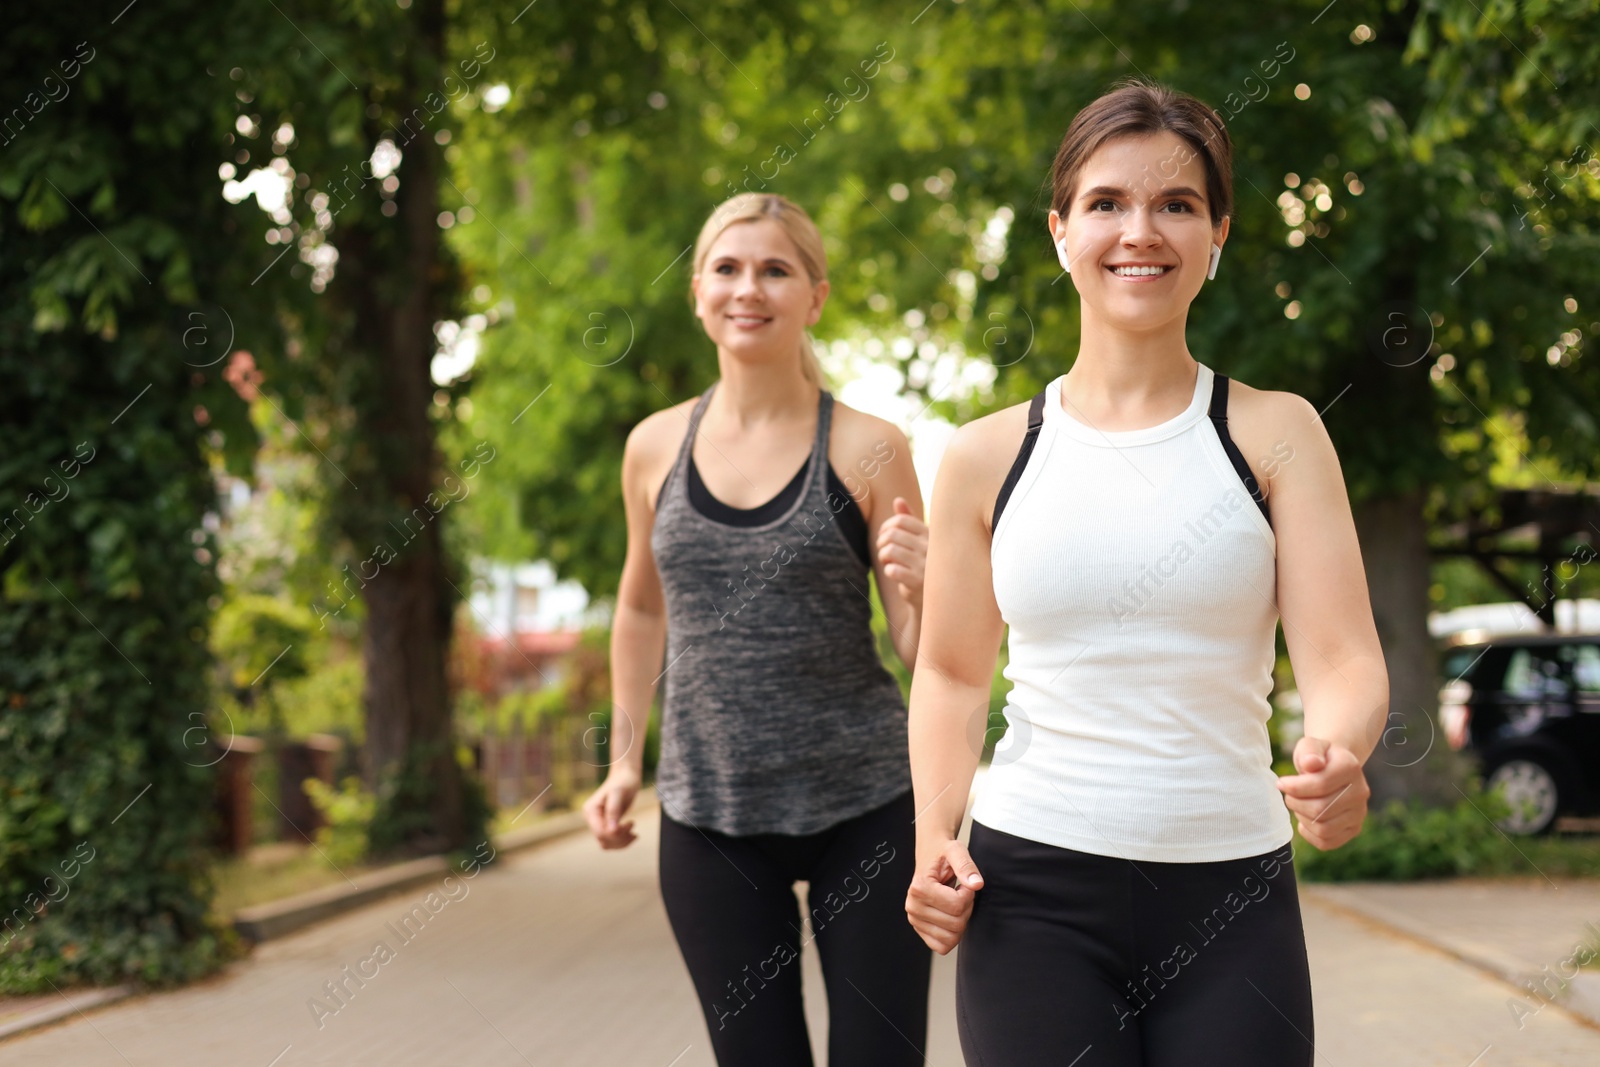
[1124, 376]
[752, 394]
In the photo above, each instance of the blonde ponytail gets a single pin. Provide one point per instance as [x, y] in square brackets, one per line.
[810, 365]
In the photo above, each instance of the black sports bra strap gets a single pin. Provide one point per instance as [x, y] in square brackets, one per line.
[1218, 413]
[1020, 464]
[1219, 397]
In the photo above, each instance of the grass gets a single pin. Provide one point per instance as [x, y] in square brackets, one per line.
[273, 872]
[1402, 844]
[1558, 855]
[508, 819]
[285, 868]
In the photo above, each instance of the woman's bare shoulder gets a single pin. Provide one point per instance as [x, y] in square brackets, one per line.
[1269, 427]
[857, 434]
[653, 445]
[662, 431]
[980, 455]
[992, 440]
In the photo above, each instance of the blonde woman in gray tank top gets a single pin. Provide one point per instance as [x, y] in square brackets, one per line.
[783, 754]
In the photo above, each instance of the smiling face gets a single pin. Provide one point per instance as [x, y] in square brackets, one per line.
[1138, 240]
[753, 294]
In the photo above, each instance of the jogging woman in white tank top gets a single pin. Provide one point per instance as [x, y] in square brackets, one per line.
[1128, 897]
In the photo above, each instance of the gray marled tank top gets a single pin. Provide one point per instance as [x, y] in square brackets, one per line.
[778, 716]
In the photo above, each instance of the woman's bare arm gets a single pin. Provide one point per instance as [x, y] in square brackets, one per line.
[873, 459]
[898, 537]
[638, 631]
[1328, 628]
[960, 645]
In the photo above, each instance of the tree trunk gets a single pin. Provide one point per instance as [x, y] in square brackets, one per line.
[1412, 761]
[409, 759]
[410, 747]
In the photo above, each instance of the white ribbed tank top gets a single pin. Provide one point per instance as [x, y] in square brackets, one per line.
[1138, 579]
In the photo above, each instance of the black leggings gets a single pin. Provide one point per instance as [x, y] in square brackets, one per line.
[1091, 961]
[732, 906]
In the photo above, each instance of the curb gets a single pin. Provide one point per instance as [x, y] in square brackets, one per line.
[71, 1003]
[266, 922]
[1580, 996]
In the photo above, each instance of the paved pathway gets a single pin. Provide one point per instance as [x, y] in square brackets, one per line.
[1534, 921]
[1386, 1000]
[1534, 932]
[562, 956]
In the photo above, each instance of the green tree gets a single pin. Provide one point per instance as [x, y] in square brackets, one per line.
[116, 253]
[624, 125]
[261, 639]
[355, 125]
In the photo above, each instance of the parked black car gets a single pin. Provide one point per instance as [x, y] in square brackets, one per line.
[1529, 709]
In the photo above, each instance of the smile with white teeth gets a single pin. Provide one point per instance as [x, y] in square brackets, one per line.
[1138, 272]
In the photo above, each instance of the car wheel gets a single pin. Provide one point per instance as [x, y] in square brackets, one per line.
[1531, 791]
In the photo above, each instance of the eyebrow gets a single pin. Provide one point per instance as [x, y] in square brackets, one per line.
[1110, 190]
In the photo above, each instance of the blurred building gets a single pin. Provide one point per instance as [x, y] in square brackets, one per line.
[527, 621]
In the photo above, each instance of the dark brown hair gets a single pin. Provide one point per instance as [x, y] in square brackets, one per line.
[1139, 108]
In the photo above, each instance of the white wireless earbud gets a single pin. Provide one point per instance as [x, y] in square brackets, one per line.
[1216, 255]
[1061, 254]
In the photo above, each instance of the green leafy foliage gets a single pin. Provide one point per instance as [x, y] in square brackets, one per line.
[582, 281]
[277, 542]
[1404, 842]
[326, 700]
[111, 412]
[362, 302]
[476, 713]
[102, 656]
[348, 812]
[407, 800]
[259, 637]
